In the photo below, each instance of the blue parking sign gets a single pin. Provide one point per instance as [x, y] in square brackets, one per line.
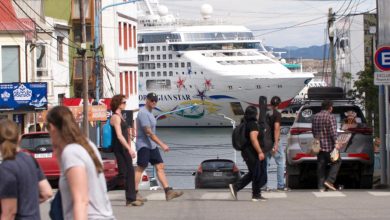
[382, 58]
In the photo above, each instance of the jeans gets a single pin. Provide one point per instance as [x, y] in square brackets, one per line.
[280, 160]
[323, 161]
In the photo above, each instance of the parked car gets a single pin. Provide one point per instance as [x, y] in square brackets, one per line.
[38, 145]
[216, 173]
[357, 150]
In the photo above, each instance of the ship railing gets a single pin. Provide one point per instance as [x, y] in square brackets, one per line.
[211, 39]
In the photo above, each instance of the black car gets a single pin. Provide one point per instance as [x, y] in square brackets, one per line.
[216, 173]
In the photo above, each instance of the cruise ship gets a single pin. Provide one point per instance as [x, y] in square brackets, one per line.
[205, 72]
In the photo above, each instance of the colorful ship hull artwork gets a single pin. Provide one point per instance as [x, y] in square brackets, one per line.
[216, 68]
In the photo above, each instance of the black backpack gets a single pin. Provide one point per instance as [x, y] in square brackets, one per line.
[265, 131]
[239, 139]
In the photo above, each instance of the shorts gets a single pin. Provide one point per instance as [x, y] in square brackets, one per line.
[146, 155]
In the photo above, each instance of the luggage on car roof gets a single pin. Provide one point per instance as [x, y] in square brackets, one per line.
[325, 93]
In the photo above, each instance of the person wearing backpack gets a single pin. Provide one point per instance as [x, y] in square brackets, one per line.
[274, 118]
[123, 152]
[253, 157]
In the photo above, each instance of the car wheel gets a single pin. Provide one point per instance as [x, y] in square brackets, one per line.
[366, 182]
[293, 181]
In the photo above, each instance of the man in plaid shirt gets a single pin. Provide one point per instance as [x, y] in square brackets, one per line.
[324, 128]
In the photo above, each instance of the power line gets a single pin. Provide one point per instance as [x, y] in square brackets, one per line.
[46, 22]
[40, 26]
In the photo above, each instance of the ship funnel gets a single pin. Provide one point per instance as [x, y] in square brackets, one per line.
[206, 10]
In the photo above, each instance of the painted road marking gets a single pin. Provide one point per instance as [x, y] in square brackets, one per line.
[216, 196]
[275, 195]
[156, 197]
[328, 194]
[380, 193]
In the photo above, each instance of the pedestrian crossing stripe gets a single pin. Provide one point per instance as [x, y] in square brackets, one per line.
[216, 196]
[277, 195]
[156, 197]
[328, 194]
[380, 193]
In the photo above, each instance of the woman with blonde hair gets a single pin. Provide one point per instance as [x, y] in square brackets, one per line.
[82, 183]
[19, 173]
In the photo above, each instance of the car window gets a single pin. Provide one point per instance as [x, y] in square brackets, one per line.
[306, 114]
[213, 165]
[33, 141]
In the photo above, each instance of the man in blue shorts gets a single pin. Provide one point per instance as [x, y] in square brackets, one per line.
[147, 146]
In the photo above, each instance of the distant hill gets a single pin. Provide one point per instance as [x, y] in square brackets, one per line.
[312, 52]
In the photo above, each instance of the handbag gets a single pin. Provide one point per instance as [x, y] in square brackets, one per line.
[55, 212]
[315, 146]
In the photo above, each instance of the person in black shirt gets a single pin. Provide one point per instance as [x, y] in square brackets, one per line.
[253, 157]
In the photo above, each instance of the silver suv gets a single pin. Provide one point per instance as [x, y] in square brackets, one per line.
[357, 150]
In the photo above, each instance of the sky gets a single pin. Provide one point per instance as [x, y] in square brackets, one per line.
[269, 19]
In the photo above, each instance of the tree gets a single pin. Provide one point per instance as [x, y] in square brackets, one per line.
[367, 94]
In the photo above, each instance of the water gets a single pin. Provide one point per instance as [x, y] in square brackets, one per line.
[190, 146]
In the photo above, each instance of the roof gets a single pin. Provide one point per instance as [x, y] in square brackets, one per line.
[9, 22]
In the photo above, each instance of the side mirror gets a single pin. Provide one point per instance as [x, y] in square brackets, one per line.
[242, 173]
[193, 173]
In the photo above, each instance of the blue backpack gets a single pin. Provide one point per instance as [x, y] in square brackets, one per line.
[107, 135]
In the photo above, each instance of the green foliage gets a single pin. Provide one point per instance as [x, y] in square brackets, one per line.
[367, 94]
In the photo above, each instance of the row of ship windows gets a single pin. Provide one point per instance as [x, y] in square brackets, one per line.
[165, 84]
[152, 57]
[163, 65]
[240, 62]
[158, 73]
[154, 48]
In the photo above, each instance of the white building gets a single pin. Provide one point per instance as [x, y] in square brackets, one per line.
[119, 40]
[353, 47]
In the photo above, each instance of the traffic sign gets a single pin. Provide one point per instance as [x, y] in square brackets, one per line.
[382, 58]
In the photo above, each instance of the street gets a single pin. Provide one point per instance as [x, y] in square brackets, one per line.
[218, 204]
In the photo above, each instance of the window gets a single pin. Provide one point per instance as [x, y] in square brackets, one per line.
[60, 49]
[157, 48]
[164, 73]
[152, 48]
[77, 33]
[10, 64]
[147, 74]
[158, 65]
[170, 56]
[170, 65]
[160, 84]
[153, 74]
[151, 57]
[176, 65]
[158, 57]
[77, 68]
[258, 86]
[237, 108]
[164, 48]
[170, 73]
[164, 57]
[141, 74]
[76, 9]
[146, 49]
[183, 65]
[230, 87]
[41, 60]
[164, 65]
[158, 73]
[188, 64]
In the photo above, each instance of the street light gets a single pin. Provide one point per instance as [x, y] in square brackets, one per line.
[233, 122]
[97, 56]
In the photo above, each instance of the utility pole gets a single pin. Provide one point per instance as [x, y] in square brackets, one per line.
[331, 20]
[383, 31]
[84, 69]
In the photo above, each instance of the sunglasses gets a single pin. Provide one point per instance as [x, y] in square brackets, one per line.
[154, 101]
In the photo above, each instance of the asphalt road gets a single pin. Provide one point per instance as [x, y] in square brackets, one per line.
[218, 204]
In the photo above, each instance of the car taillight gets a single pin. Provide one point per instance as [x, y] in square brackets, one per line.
[361, 130]
[200, 170]
[145, 178]
[298, 130]
[301, 155]
[360, 155]
[235, 169]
